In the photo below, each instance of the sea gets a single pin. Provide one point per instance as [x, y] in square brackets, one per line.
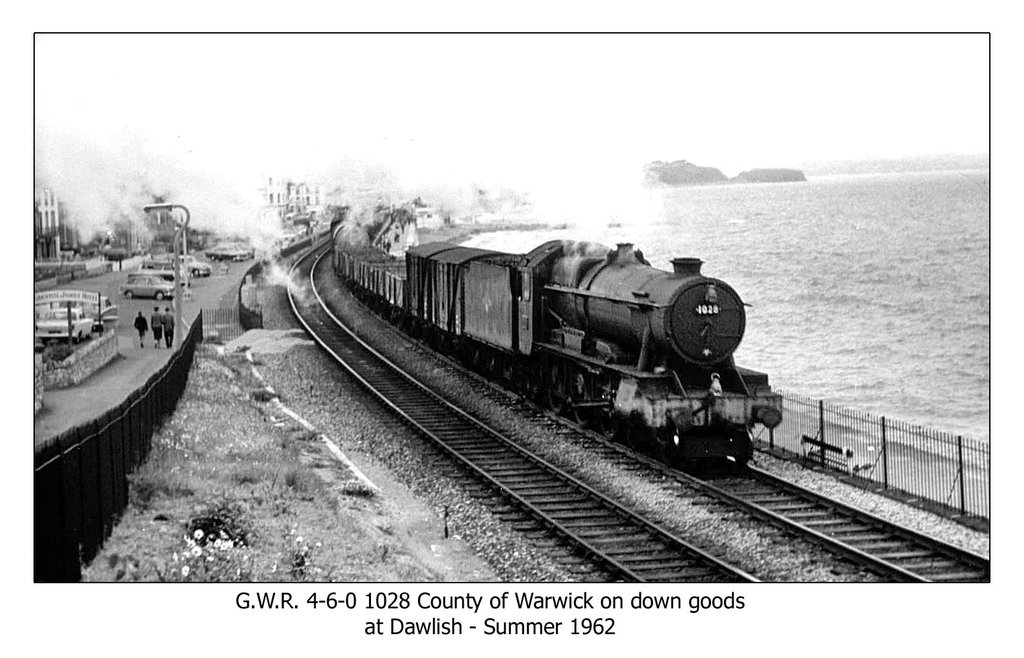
[869, 291]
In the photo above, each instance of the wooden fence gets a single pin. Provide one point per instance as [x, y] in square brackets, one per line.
[81, 476]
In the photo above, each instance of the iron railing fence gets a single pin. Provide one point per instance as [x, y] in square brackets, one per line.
[80, 478]
[941, 467]
[222, 323]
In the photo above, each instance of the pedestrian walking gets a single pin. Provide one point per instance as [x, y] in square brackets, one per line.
[168, 320]
[156, 321]
[142, 327]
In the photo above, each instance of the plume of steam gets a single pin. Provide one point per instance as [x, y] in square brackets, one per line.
[104, 183]
[576, 254]
[355, 234]
[583, 249]
[275, 275]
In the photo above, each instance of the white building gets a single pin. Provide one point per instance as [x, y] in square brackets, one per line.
[292, 199]
[47, 226]
[427, 217]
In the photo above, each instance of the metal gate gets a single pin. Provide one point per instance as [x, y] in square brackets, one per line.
[221, 324]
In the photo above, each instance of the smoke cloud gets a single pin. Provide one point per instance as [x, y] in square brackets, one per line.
[275, 275]
[103, 183]
[105, 180]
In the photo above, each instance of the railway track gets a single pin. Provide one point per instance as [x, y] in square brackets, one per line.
[621, 542]
[891, 550]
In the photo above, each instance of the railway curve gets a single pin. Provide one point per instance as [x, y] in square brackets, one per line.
[622, 542]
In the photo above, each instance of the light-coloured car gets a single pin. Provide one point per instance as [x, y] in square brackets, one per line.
[159, 265]
[197, 267]
[148, 284]
[53, 325]
[191, 264]
[233, 252]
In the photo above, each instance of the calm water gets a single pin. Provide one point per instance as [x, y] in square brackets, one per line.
[870, 291]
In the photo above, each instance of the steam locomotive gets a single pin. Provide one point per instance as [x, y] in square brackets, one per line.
[596, 334]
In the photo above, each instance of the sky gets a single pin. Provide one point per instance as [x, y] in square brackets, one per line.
[556, 116]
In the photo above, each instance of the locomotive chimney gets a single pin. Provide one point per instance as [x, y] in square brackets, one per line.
[690, 266]
[624, 252]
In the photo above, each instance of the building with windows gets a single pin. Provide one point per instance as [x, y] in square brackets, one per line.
[53, 233]
[294, 202]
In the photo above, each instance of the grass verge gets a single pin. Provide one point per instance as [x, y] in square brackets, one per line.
[234, 493]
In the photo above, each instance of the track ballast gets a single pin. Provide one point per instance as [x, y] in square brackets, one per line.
[618, 540]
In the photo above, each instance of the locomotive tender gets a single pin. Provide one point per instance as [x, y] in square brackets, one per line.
[596, 334]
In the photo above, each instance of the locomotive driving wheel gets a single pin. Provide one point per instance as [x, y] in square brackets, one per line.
[533, 383]
[590, 404]
[555, 393]
[475, 360]
[577, 394]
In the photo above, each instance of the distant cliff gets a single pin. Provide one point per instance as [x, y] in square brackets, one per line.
[770, 176]
[681, 172]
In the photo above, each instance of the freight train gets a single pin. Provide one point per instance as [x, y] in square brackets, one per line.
[640, 354]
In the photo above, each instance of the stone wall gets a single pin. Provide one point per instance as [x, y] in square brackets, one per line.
[38, 384]
[87, 359]
[84, 272]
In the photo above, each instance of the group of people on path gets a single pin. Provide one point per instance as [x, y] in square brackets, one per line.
[162, 325]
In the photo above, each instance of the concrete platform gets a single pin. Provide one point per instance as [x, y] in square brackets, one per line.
[110, 385]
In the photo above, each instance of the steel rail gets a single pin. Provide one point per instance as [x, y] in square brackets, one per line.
[978, 565]
[719, 569]
[892, 532]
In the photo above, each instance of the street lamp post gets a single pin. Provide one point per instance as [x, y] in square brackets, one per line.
[179, 290]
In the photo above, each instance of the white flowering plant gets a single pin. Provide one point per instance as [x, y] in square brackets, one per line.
[211, 558]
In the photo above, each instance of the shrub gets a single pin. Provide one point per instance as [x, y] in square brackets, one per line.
[251, 474]
[145, 487]
[56, 352]
[303, 481]
[222, 518]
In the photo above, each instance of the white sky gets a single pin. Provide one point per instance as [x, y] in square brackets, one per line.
[515, 109]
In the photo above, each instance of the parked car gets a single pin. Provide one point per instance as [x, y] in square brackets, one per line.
[194, 266]
[159, 265]
[53, 325]
[233, 252]
[197, 267]
[149, 284]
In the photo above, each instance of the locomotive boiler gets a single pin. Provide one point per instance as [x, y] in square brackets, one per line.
[654, 351]
[596, 334]
[676, 316]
